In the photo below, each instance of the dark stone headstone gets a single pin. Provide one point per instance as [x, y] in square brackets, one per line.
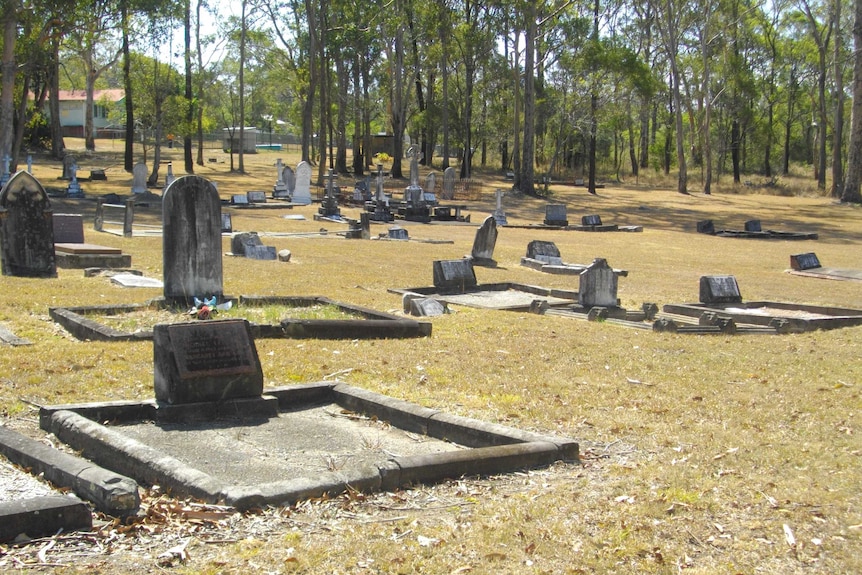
[239, 199]
[26, 228]
[98, 174]
[800, 262]
[206, 361]
[555, 215]
[753, 226]
[226, 224]
[454, 275]
[256, 197]
[398, 233]
[68, 228]
[260, 252]
[485, 241]
[546, 252]
[240, 243]
[591, 220]
[719, 289]
[191, 240]
[705, 227]
[598, 285]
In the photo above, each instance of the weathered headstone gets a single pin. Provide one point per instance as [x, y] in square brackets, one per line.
[279, 190]
[139, 178]
[226, 223]
[454, 275]
[719, 289]
[413, 194]
[68, 161]
[706, 227]
[448, 192]
[302, 194]
[207, 361]
[170, 177]
[430, 183]
[289, 180]
[68, 228]
[484, 243]
[256, 197]
[419, 305]
[591, 220]
[555, 215]
[239, 199]
[397, 233]
[243, 241]
[382, 213]
[260, 252]
[191, 251]
[546, 252]
[499, 214]
[74, 189]
[329, 206]
[802, 262]
[98, 174]
[26, 228]
[753, 226]
[598, 285]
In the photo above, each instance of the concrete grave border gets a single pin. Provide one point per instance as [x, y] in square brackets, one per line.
[558, 297]
[374, 325]
[493, 448]
[747, 313]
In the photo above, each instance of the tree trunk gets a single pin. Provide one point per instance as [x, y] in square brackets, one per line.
[528, 165]
[189, 94]
[838, 117]
[242, 38]
[129, 144]
[853, 178]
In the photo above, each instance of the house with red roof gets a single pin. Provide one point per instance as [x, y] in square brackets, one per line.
[73, 106]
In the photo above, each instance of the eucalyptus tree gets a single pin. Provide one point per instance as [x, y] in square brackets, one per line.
[853, 176]
[95, 39]
[11, 10]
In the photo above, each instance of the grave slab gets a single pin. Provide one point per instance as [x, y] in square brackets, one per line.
[43, 516]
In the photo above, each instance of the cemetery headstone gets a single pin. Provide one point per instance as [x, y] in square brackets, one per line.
[397, 233]
[413, 194]
[719, 289]
[279, 190]
[546, 252]
[706, 227]
[241, 242]
[499, 214]
[802, 262]
[139, 178]
[206, 361]
[260, 252]
[256, 197]
[74, 189]
[419, 305]
[26, 228]
[98, 174]
[430, 183]
[448, 192]
[239, 199]
[170, 177]
[753, 226]
[454, 275]
[484, 243]
[591, 220]
[68, 161]
[302, 194]
[329, 206]
[598, 285]
[191, 250]
[68, 228]
[226, 223]
[555, 215]
[289, 180]
[382, 213]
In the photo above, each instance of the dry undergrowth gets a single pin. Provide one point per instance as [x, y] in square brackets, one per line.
[704, 454]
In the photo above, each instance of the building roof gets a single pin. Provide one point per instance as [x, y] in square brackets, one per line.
[81, 95]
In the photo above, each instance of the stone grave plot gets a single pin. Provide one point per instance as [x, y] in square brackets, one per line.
[213, 433]
[753, 230]
[721, 309]
[545, 257]
[269, 316]
[71, 251]
[116, 216]
[593, 223]
[455, 283]
[808, 265]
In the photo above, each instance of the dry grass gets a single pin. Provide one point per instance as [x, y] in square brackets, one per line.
[726, 444]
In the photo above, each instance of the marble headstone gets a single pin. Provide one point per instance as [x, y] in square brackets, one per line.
[484, 243]
[302, 193]
[139, 178]
[598, 285]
